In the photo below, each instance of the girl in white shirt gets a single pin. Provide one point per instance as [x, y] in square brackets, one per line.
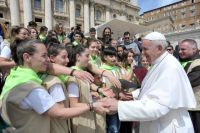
[31, 56]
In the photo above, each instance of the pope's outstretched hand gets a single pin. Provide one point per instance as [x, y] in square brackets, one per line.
[112, 105]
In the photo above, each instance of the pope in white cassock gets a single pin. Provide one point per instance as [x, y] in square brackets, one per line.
[165, 95]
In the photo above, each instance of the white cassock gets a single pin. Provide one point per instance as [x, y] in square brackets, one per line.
[165, 96]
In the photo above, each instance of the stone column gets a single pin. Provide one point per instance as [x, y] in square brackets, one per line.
[92, 15]
[27, 12]
[48, 14]
[72, 13]
[14, 12]
[86, 16]
[107, 14]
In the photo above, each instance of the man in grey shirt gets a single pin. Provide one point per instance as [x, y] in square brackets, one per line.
[129, 44]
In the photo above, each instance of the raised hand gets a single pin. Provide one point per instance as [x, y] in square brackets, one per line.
[125, 96]
[133, 64]
[107, 92]
[83, 75]
[114, 81]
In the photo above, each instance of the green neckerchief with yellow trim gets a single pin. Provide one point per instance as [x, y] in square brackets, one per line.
[184, 63]
[17, 76]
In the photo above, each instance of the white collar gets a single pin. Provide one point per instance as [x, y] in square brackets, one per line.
[160, 58]
[153, 67]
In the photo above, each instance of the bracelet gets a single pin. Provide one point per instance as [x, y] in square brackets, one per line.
[98, 89]
[90, 104]
[102, 73]
[72, 72]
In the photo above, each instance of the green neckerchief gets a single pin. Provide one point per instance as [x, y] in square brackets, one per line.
[42, 37]
[107, 67]
[60, 38]
[75, 43]
[94, 59]
[184, 63]
[128, 69]
[77, 68]
[63, 78]
[42, 76]
[18, 76]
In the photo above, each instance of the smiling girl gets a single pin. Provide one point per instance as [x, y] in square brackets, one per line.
[24, 94]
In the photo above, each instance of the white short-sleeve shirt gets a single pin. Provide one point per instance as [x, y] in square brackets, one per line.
[73, 90]
[5, 51]
[39, 100]
[56, 91]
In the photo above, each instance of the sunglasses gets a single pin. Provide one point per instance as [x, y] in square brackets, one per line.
[169, 49]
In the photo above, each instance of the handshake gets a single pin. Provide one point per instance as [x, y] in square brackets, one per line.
[110, 105]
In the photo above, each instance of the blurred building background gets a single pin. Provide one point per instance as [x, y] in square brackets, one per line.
[177, 21]
[87, 13]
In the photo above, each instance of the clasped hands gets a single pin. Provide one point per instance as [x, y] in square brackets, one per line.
[108, 105]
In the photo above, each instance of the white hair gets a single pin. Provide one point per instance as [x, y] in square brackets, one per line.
[162, 43]
[192, 43]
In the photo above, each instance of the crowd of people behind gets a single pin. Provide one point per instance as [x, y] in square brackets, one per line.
[60, 78]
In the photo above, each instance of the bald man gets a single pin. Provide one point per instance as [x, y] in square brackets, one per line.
[190, 60]
[165, 95]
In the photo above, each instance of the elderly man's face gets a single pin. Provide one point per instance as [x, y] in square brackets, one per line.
[151, 51]
[186, 50]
